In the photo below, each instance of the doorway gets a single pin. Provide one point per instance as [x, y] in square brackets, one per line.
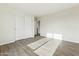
[36, 26]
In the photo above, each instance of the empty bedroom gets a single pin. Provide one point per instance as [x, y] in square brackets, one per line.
[39, 29]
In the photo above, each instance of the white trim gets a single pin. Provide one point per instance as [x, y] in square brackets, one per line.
[7, 42]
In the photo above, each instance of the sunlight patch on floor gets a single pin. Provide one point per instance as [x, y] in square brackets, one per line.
[45, 46]
[38, 43]
[49, 48]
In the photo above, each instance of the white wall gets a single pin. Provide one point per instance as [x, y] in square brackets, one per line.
[7, 28]
[64, 23]
[14, 25]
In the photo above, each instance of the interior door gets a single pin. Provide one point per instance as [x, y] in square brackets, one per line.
[20, 27]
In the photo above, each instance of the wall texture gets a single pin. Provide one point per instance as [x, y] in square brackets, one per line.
[7, 28]
[61, 25]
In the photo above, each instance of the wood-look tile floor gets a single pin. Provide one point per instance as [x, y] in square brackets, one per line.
[20, 48]
[67, 49]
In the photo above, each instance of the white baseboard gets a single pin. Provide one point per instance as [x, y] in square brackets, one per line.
[7, 42]
[65, 40]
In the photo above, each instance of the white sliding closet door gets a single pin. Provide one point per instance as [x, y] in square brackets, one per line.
[20, 27]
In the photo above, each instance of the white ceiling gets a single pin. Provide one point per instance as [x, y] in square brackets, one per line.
[40, 9]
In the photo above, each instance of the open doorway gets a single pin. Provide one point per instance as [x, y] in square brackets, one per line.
[36, 27]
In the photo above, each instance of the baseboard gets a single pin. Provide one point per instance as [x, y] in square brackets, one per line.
[65, 40]
[7, 43]
[72, 41]
[23, 38]
[13, 41]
